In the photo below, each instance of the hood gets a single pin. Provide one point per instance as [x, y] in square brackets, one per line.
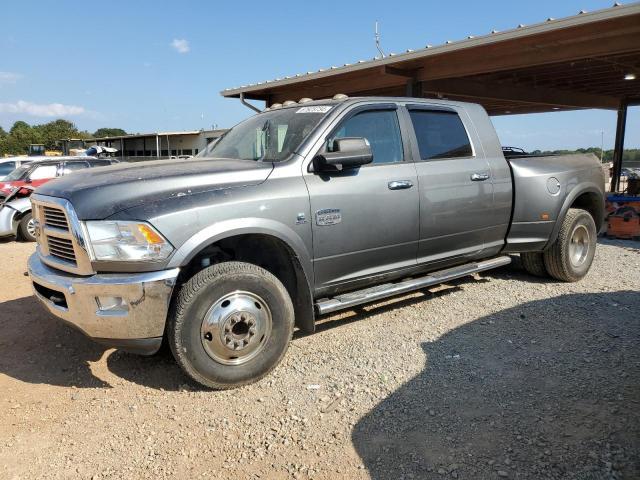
[97, 193]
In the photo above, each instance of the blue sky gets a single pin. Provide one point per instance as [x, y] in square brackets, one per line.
[149, 66]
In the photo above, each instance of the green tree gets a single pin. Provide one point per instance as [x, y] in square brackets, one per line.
[109, 132]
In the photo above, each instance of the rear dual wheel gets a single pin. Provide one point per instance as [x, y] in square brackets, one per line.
[569, 258]
[230, 325]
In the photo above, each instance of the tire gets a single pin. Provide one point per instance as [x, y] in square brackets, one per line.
[570, 256]
[230, 325]
[533, 263]
[26, 231]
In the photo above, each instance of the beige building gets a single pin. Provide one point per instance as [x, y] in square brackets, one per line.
[159, 144]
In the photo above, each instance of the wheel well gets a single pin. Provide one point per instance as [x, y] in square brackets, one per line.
[267, 252]
[592, 203]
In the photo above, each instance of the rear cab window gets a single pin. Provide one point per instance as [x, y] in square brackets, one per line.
[440, 134]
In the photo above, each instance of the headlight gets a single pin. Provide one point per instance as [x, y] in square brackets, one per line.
[126, 241]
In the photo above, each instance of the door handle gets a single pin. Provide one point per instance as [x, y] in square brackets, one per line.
[400, 184]
[479, 177]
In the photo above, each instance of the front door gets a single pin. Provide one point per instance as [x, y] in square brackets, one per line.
[365, 220]
[456, 192]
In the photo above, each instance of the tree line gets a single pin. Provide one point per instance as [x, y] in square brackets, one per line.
[17, 140]
[628, 155]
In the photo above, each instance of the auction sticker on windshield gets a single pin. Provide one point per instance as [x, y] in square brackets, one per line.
[314, 109]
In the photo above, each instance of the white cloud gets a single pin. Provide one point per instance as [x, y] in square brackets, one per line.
[41, 109]
[9, 78]
[181, 45]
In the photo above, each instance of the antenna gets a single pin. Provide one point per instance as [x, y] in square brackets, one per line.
[377, 37]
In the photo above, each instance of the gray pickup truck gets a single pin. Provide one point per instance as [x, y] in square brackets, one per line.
[299, 211]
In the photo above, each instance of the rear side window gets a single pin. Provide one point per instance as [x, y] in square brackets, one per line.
[99, 163]
[380, 128]
[74, 167]
[440, 134]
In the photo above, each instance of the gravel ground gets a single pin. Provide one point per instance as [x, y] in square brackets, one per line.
[502, 376]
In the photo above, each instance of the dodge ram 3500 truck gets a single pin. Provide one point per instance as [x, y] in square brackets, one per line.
[297, 212]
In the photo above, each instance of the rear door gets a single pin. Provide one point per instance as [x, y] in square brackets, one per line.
[365, 220]
[455, 186]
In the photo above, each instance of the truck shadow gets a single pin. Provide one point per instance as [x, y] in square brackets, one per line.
[546, 389]
[36, 348]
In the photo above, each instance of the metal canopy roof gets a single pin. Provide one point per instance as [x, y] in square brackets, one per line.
[569, 63]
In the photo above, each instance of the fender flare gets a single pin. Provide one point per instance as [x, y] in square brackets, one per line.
[244, 226]
[580, 189]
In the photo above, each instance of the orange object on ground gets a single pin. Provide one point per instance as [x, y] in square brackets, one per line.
[624, 223]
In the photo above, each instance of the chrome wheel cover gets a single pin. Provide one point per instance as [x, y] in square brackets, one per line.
[579, 245]
[236, 328]
[31, 227]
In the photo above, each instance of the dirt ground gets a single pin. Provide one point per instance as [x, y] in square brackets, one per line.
[506, 376]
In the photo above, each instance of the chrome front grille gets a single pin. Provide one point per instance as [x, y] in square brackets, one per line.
[61, 243]
[61, 248]
[55, 217]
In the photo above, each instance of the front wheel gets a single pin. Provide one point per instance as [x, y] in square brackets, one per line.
[230, 325]
[27, 228]
[570, 256]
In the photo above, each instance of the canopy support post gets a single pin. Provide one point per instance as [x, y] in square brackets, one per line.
[618, 148]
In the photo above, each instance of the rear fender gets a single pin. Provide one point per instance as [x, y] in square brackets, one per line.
[580, 189]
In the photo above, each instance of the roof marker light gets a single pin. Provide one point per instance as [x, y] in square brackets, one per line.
[288, 103]
[305, 100]
[630, 76]
[340, 96]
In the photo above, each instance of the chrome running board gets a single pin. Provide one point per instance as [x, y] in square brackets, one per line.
[351, 299]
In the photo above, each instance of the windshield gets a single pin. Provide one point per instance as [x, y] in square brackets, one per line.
[270, 137]
[19, 173]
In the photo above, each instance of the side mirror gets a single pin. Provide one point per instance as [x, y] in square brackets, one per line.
[347, 153]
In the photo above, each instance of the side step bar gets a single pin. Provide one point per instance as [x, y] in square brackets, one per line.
[378, 292]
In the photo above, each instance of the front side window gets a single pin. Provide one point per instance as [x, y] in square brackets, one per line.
[18, 174]
[270, 136]
[44, 172]
[380, 128]
[440, 134]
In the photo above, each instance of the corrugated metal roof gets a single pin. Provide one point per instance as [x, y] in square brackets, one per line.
[581, 19]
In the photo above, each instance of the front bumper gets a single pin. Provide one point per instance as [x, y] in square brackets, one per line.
[136, 323]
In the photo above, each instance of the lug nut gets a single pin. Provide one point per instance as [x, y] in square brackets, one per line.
[252, 331]
[208, 336]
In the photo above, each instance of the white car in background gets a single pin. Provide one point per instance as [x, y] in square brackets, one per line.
[8, 165]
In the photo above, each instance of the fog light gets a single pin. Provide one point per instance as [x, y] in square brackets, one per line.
[108, 304]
